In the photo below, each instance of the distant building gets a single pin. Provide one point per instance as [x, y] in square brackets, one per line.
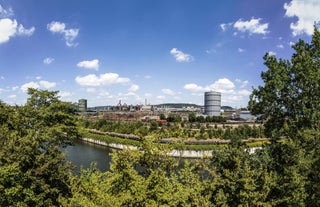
[82, 105]
[212, 103]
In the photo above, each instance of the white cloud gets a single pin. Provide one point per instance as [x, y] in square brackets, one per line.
[252, 27]
[10, 28]
[47, 84]
[102, 79]
[193, 87]
[147, 77]
[168, 92]
[134, 88]
[48, 60]
[23, 31]
[223, 85]
[31, 84]
[36, 85]
[69, 34]
[89, 64]
[180, 56]
[306, 11]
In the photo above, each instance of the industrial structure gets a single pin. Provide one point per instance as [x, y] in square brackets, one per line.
[212, 103]
[82, 105]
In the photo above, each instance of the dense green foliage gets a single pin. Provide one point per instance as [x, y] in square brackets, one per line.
[289, 99]
[33, 170]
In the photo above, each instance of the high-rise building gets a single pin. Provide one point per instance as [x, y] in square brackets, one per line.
[212, 103]
[82, 105]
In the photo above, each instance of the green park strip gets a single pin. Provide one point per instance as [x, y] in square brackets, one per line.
[174, 145]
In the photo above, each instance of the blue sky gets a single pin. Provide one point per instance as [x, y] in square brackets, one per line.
[131, 50]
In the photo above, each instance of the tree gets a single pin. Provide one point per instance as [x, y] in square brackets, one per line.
[291, 91]
[34, 171]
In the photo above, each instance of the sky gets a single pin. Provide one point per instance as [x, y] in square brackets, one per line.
[162, 51]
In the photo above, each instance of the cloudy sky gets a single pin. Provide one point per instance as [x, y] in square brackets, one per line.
[132, 50]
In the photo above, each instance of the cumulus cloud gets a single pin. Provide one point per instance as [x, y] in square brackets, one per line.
[168, 92]
[223, 85]
[31, 84]
[193, 87]
[102, 79]
[36, 85]
[134, 88]
[47, 84]
[252, 26]
[10, 28]
[69, 34]
[48, 60]
[89, 64]
[307, 12]
[181, 56]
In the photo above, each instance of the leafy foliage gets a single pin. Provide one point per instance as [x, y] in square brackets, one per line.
[33, 170]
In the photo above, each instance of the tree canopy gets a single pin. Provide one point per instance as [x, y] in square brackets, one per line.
[290, 96]
[33, 169]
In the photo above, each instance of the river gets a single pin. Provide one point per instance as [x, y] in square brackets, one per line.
[83, 153]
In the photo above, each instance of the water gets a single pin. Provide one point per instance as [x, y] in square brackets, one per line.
[84, 153]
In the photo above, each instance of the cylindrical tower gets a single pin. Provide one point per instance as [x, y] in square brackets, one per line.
[212, 103]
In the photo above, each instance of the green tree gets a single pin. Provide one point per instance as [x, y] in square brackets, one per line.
[291, 90]
[33, 168]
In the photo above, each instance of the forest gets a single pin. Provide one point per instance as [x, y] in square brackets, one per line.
[34, 170]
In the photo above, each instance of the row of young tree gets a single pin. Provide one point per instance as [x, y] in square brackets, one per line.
[34, 171]
[176, 130]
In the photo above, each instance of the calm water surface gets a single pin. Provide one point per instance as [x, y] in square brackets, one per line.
[84, 153]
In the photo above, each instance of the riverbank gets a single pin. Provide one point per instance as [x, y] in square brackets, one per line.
[173, 153]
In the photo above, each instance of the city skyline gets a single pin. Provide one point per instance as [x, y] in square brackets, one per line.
[163, 51]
